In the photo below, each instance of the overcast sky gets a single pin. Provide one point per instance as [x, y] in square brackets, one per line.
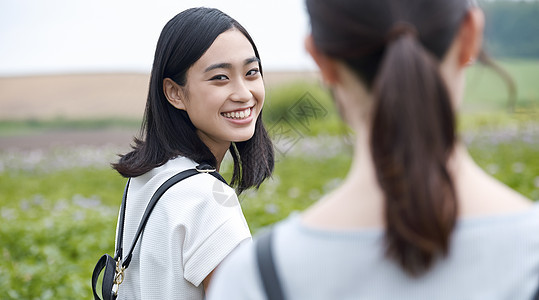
[77, 36]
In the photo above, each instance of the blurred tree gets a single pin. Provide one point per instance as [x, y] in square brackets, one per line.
[512, 28]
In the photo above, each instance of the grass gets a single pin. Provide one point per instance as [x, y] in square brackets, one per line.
[58, 211]
[487, 91]
[55, 225]
[24, 127]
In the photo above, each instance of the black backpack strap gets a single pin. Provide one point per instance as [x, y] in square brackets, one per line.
[536, 297]
[266, 266]
[111, 266]
[120, 234]
[107, 262]
[160, 191]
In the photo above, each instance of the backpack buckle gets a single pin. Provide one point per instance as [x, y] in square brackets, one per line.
[205, 168]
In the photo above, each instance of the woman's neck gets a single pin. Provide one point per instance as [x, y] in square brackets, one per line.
[218, 151]
[217, 148]
[362, 168]
[219, 156]
[359, 202]
[477, 192]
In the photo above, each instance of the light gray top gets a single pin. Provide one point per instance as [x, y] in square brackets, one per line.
[491, 257]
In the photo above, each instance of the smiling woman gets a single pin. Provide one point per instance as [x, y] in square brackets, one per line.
[205, 98]
[224, 92]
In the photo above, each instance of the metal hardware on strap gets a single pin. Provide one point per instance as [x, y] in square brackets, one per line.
[115, 267]
[205, 168]
[119, 277]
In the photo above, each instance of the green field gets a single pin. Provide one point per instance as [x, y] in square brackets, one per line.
[58, 213]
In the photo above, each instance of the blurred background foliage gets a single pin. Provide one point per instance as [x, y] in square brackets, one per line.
[511, 28]
[58, 207]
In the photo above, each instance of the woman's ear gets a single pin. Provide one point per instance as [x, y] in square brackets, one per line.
[174, 93]
[327, 65]
[471, 36]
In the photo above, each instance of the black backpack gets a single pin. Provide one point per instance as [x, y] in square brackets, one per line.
[115, 267]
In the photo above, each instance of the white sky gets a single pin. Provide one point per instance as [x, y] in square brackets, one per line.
[77, 36]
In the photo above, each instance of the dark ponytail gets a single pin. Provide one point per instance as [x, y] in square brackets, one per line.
[413, 133]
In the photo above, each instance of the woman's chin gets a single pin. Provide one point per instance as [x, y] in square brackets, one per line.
[242, 137]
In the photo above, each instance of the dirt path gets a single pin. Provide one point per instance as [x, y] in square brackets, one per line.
[69, 138]
[85, 96]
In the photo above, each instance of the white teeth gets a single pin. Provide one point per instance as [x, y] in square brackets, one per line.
[238, 115]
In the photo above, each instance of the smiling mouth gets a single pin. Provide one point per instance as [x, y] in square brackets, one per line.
[238, 115]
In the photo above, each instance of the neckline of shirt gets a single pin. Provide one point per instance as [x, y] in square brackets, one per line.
[463, 224]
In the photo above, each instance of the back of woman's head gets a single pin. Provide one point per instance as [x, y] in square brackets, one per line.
[396, 47]
[168, 132]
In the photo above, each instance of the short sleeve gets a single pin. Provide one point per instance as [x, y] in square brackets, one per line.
[215, 226]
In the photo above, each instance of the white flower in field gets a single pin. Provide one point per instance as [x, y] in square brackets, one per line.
[518, 167]
[61, 205]
[271, 209]
[332, 184]
[492, 169]
[79, 216]
[25, 205]
[294, 192]
[8, 214]
[48, 222]
[314, 194]
[38, 200]
[84, 202]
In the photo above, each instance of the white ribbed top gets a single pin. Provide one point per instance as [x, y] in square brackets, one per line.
[193, 227]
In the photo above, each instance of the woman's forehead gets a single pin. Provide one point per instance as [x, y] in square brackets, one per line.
[230, 47]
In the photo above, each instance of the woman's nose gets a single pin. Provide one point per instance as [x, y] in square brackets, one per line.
[241, 92]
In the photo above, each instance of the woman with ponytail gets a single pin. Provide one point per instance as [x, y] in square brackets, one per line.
[415, 218]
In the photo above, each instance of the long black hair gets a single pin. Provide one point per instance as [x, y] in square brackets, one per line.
[166, 131]
[396, 47]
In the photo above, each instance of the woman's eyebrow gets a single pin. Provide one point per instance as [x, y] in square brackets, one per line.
[229, 65]
[218, 66]
[251, 60]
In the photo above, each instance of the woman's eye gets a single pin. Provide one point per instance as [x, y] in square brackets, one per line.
[219, 77]
[253, 72]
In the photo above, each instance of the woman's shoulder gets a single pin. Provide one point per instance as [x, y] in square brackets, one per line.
[195, 190]
[526, 215]
[510, 228]
[237, 276]
[480, 194]
[174, 166]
